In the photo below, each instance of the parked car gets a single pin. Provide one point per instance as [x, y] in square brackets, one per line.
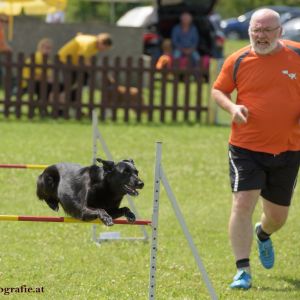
[290, 15]
[159, 20]
[291, 30]
[142, 16]
[145, 17]
[237, 28]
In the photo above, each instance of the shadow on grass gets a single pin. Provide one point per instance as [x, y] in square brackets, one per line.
[292, 285]
[295, 283]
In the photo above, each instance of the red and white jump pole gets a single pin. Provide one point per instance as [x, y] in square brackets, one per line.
[67, 220]
[22, 166]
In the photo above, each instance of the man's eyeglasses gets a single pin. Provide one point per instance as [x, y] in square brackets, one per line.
[263, 30]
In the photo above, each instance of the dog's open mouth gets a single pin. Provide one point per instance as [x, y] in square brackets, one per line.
[130, 190]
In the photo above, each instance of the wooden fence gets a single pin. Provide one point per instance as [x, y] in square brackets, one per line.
[121, 90]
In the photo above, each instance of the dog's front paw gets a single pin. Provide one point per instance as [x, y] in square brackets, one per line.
[107, 220]
[130, 216]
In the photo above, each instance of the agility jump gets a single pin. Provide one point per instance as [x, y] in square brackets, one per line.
[67, 220]
[159, 179]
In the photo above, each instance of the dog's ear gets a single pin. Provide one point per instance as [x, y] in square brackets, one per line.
[108, 165]
[129, 160]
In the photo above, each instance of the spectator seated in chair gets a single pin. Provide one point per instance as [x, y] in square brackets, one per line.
[185, 41]
[166, 60]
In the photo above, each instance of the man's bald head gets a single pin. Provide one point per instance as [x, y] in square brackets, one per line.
[265, 15]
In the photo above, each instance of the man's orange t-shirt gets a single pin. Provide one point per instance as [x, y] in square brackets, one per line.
[269, 86]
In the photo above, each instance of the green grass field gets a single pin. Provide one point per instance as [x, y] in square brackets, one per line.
[61, 257]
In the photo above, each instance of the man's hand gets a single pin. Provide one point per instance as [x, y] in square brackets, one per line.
[239, 114]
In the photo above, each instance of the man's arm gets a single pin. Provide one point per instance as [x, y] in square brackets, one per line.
[239, 113]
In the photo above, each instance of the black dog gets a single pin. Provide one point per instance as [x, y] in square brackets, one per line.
[92, 192]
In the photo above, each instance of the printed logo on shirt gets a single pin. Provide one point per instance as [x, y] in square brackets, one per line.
[291, 75]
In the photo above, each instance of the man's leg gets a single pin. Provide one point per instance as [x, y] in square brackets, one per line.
[240, 223]
[241, 235]
[273, 217]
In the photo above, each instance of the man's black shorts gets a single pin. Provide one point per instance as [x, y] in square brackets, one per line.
[274, 175]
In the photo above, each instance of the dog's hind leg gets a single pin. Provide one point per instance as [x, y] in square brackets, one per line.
[88, 214]
[123, 211]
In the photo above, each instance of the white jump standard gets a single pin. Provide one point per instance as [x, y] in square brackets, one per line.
[160, 177]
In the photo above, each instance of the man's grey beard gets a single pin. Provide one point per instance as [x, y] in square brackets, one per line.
[268, 50]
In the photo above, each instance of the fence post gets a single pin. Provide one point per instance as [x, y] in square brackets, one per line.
[128, 72]
[104, 89]
[55, 98]
[19, 84]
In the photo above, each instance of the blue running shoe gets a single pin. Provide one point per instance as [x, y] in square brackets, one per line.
[266, 251]
[242, 280]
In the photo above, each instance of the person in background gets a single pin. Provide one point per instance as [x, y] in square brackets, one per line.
[166, 59]
[264, 145]
[86, 46]
[185, 40]
[44, 48]
[4, 47]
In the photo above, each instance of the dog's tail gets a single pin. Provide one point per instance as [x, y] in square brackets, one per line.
[46, 188]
